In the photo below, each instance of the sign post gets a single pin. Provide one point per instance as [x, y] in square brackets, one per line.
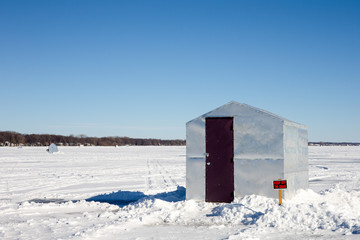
[280, 185]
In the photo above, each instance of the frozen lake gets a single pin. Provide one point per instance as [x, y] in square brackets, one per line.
[140, 192]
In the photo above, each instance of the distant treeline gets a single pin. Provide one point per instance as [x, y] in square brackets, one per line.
[333, 144]
[16, 139]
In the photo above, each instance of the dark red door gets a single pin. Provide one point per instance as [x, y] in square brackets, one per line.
[219, 159]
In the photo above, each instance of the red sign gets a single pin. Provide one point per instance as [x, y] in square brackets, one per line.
[280, 184]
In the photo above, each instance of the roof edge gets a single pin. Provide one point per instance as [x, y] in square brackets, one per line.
[262, 111]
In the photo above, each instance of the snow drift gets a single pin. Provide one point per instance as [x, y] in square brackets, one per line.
[335, 210]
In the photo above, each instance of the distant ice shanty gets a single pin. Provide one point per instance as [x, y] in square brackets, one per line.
[237, 150]
[52, 148]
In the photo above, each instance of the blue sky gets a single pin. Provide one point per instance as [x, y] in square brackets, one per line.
[145, 68]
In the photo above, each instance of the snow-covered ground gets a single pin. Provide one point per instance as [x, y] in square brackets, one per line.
[139, 192]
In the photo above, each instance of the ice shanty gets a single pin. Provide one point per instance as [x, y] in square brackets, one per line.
[237, 150]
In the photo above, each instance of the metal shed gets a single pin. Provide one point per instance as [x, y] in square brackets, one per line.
[237, 150]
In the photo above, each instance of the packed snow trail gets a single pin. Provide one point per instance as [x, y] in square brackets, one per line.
[158, 178]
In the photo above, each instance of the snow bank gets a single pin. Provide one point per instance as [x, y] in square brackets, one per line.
[335, 210]
[309, 213]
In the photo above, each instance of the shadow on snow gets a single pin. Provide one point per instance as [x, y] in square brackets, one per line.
[123, 198]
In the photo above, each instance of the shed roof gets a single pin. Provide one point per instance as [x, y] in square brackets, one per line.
[237, 106]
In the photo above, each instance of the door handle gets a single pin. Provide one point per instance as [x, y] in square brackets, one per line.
[208, 163]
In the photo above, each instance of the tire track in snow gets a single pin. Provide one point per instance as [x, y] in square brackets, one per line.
[159, 169]
[167, 174]
[158, 177]
[149, 183]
